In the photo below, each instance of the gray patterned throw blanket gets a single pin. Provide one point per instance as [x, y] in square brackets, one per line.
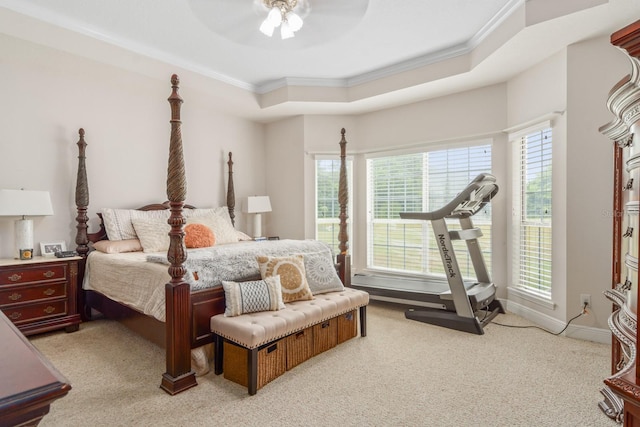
[237, 261]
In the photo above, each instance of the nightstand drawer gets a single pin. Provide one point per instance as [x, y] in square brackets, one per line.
[20, 314]
[33, 274]
[33, 293]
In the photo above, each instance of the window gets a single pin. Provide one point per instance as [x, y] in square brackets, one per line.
[327, 206]
[532, 211]
[420, 182]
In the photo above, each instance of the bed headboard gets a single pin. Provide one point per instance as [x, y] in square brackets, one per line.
[83, 237]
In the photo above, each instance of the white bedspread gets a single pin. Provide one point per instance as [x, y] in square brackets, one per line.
[128, 279]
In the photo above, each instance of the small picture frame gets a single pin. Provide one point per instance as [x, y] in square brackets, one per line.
[50, 249]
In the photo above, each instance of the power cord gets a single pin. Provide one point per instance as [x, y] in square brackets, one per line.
[582, 313]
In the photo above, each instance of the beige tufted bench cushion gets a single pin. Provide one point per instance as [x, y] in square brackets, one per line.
[255, 329]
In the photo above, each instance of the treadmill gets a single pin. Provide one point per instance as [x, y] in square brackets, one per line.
[453, 303]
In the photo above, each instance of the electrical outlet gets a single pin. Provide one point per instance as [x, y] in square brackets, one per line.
[585, 299]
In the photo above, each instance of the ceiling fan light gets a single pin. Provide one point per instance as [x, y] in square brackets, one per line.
[285, 31]
[267, 28]
[274, 17]
[295, 22]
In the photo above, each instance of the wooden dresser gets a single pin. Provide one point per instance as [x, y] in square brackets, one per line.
[622, 390]
[41, 294]
[28, 381]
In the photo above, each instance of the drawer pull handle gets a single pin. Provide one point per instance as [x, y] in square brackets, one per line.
[49, 309]
[15, 296]
[272, 348]
[629, 185]
[15, 315]
[15, 277]
[325, 325]
[49, 274]
[49, 292]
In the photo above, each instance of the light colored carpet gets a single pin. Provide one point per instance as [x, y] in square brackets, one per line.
[404, 373]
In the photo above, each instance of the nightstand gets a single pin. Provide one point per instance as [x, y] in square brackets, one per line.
[40, 294]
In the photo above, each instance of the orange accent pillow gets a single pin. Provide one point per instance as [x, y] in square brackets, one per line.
[198, 236]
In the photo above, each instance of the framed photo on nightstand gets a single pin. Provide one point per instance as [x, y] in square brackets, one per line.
[50, 249]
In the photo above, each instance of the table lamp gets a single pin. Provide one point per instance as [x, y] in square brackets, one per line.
[24, 203]
[257, 205]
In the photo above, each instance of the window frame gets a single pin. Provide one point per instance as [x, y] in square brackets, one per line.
[426, 232]
[516, 140]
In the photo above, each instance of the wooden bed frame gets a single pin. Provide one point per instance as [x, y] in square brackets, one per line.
[187, 323]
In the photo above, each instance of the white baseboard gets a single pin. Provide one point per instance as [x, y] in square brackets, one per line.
[554, 325]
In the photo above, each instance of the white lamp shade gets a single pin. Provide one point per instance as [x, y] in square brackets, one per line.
[25, 203]
[274, 17]
[267, 28]
[257, 204]
[285, 31]
[295, 22]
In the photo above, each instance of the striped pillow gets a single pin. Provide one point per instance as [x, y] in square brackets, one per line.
[251, 297]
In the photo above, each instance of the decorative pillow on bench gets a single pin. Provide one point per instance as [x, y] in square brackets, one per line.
[321, 273]
[251, 297]
[293, 277]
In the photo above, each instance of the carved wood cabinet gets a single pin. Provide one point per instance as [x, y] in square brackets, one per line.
[622, 389]
[40, 295]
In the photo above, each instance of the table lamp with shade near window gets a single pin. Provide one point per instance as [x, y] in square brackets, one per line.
[257, 205]
[24, 203]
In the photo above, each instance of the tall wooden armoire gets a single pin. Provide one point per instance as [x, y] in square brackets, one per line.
[622, 390]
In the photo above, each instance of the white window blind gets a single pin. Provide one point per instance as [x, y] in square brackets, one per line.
[533, 211]
[327, 206]
[420, 182]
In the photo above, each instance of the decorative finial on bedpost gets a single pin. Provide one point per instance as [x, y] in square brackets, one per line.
[231, 195]
[179, 375]
[176, 178]
[343, 259]
[82, 199]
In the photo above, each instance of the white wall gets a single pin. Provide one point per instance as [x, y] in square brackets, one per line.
[575, 82]
[284, 161]
[48, 95]
[590, 181]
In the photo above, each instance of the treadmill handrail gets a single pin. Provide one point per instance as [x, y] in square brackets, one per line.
[483, 185]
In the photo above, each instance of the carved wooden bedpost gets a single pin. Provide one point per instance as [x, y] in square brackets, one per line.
[231, 194]
[179, 375]
[343, 258]
[82, 235]
[82, 199]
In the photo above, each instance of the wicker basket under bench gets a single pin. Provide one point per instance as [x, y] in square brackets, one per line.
[253, 349]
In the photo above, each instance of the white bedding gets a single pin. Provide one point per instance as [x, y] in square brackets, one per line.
[128, 279]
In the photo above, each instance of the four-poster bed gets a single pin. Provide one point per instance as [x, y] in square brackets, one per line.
[186, 312]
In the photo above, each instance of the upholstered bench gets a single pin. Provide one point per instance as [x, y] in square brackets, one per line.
[254, 348]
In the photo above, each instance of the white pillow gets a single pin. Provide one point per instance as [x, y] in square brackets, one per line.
[119, 225]
[119, 222]
[221, 227]
[154, 232]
